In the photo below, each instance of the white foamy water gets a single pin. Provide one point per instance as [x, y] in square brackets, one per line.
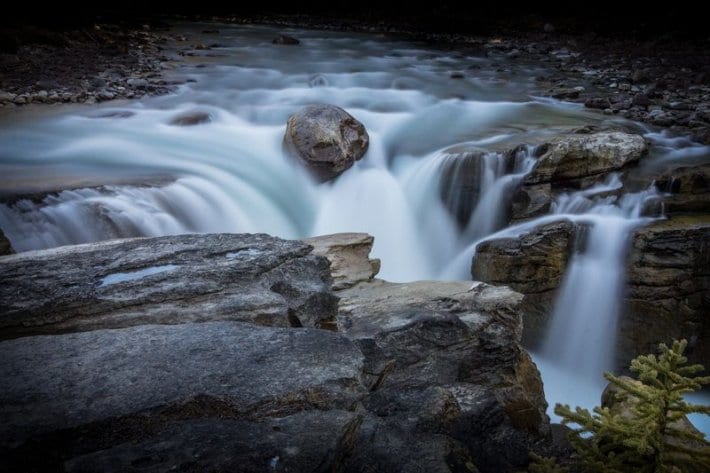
[151, 178]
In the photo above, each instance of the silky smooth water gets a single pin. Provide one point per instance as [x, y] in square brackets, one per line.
[126, 171]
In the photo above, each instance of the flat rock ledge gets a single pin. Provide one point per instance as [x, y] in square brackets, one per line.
[234, 353]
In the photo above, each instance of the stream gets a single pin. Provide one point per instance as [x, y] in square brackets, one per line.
[93, 172]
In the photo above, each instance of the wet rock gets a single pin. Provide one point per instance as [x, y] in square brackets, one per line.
[669, 286]
[457, 75]
[326, 138]
[572, 157]
[600, 103]
[318, 80]
[348, 254]
[686, 189]
[191, 119]
[565, 93]
[165, 280]
[5, 246]
[460, 183]
[531, 201]
[285, 39]
[532, 264]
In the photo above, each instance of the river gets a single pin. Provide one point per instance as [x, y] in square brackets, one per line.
[122, 169]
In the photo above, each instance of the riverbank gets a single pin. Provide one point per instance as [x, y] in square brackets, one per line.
[664, 82]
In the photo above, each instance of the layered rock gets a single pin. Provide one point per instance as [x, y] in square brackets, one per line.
[574, 161]
[579, 156]
[165, 280]
[168, 366]
[686, 188]
[532, 264]
[669, 286]
[349, 256]
[326, 139]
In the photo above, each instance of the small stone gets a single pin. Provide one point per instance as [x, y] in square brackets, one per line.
[625, 87]
[20, 99]
[137, 83]
[286, 40]
[457, 75]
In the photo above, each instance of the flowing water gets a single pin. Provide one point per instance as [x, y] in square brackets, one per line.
[123, 169]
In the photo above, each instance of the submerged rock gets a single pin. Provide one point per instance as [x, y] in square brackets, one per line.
[191, 119]
[424, 375]
[285, 39]
[326, 138]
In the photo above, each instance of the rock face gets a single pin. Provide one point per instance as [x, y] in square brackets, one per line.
[669, 286]
[574, 161]
[326, 138]
[687, 189]
[532, 264]
[5, 246]
[579, 156]
[165, 280]
[427, 376]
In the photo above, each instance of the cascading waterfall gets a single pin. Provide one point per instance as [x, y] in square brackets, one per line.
[148, 177]
[582, 333]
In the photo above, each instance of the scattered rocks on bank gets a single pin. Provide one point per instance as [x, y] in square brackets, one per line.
[326, 138]
[89, 65]
[425, 376]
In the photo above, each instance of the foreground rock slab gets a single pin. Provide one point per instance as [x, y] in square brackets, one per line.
[424, 376]
[326, 139]
[165, 280]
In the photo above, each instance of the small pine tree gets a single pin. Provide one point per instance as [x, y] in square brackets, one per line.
[649, 433]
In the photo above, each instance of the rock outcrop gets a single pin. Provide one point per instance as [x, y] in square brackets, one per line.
[182, 354]
[532, 264]
[669, 286]
[578, 156]
[5, 246]
[166, 280]
[349, 256]
[326, 138]
[574, 161]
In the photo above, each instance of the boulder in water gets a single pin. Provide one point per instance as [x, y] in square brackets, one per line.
[326, 138]
[191, 119]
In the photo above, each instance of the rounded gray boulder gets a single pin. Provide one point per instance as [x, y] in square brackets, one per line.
[326, 138]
